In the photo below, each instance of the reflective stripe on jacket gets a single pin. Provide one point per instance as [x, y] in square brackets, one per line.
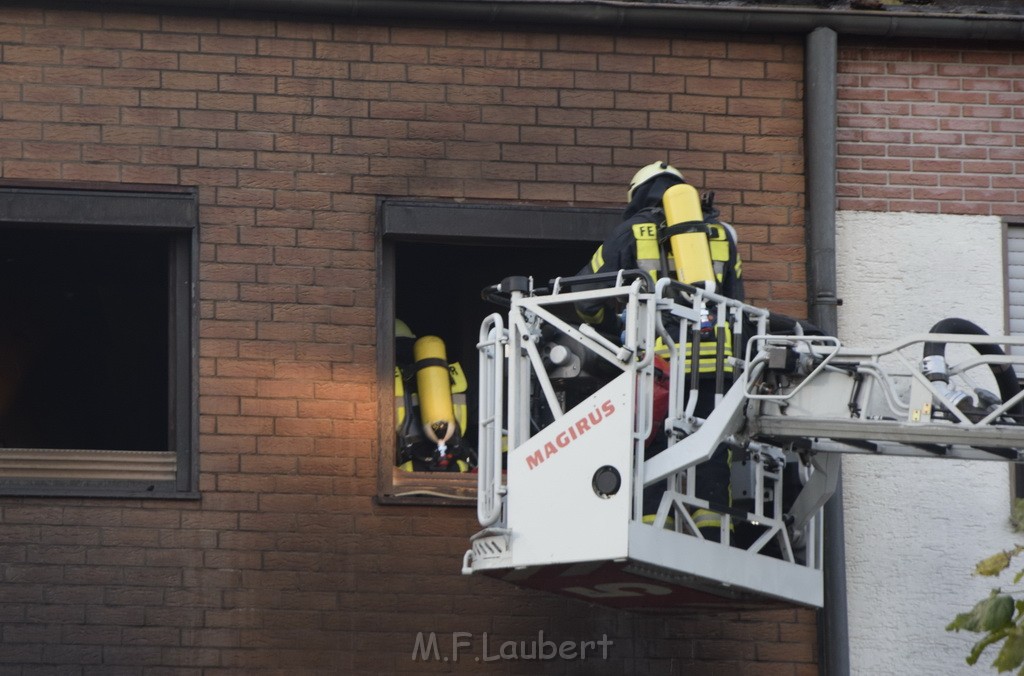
[648, 259]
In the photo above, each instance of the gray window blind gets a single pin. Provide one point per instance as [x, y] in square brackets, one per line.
[1015, 279]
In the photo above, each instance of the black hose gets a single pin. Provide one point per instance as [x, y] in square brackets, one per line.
[603, 280]
[784, 325]
[1005, 376]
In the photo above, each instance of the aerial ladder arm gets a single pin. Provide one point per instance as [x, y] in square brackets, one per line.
[561, 509]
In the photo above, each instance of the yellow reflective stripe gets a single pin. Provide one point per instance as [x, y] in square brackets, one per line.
[461, 410]
[597, 260]
[661, 349]
[399, 399]
[646, 235]
[724, 254]
[705, 518]
[670, 521]
[649, 265]
[595, 318]
[709, 347]
[719, 243]
[708, 352]
[648, 252]
[719, 258]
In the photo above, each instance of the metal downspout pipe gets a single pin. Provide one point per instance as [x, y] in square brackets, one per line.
[820, 67]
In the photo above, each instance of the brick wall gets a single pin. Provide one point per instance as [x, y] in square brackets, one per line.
[933, 130]
[291, 130]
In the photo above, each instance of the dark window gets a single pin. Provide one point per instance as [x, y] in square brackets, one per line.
[96, 322]
[435, 258]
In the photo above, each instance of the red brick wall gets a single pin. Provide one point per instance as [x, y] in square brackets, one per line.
[934, 130]
[291, 130]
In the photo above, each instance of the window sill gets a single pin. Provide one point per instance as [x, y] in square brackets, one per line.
[429, 488]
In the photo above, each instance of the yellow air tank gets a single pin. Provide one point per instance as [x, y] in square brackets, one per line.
[690, 247]
[433, 387]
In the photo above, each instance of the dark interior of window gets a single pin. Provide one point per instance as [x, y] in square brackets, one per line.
[435, 259]
[84, 339]
[438, 285]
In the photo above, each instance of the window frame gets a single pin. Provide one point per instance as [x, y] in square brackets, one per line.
[100, 207]
[402, 220]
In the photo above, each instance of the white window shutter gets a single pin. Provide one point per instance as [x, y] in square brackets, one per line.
[1015, 279]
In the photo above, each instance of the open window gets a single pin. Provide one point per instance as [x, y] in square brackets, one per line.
[96, 335]
[434, 258]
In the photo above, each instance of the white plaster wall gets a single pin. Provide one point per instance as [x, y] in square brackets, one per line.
[916, 527]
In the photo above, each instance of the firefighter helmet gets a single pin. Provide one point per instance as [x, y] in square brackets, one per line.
[647, 173]
[402, 330]
[404, 340]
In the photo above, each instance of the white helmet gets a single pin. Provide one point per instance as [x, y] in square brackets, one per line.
[402, 330]
[647, 173]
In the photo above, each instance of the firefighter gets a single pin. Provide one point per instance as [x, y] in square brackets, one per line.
[430, 405]
[638, 242]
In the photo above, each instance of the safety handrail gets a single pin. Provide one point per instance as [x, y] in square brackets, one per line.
[491, 420]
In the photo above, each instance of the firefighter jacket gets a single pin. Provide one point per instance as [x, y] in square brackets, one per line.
[633, 244]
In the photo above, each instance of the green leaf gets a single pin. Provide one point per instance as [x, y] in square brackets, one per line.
[1017, 515]
[980, 646]
[960, 622]
[1011, 655]
[998, 614]
[990, 614]
[993, 565]
[997, 563]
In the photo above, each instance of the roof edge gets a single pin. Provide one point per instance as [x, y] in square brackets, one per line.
[615, 14]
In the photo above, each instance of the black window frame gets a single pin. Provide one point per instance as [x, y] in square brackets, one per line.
[404, 220]
[113, 208]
